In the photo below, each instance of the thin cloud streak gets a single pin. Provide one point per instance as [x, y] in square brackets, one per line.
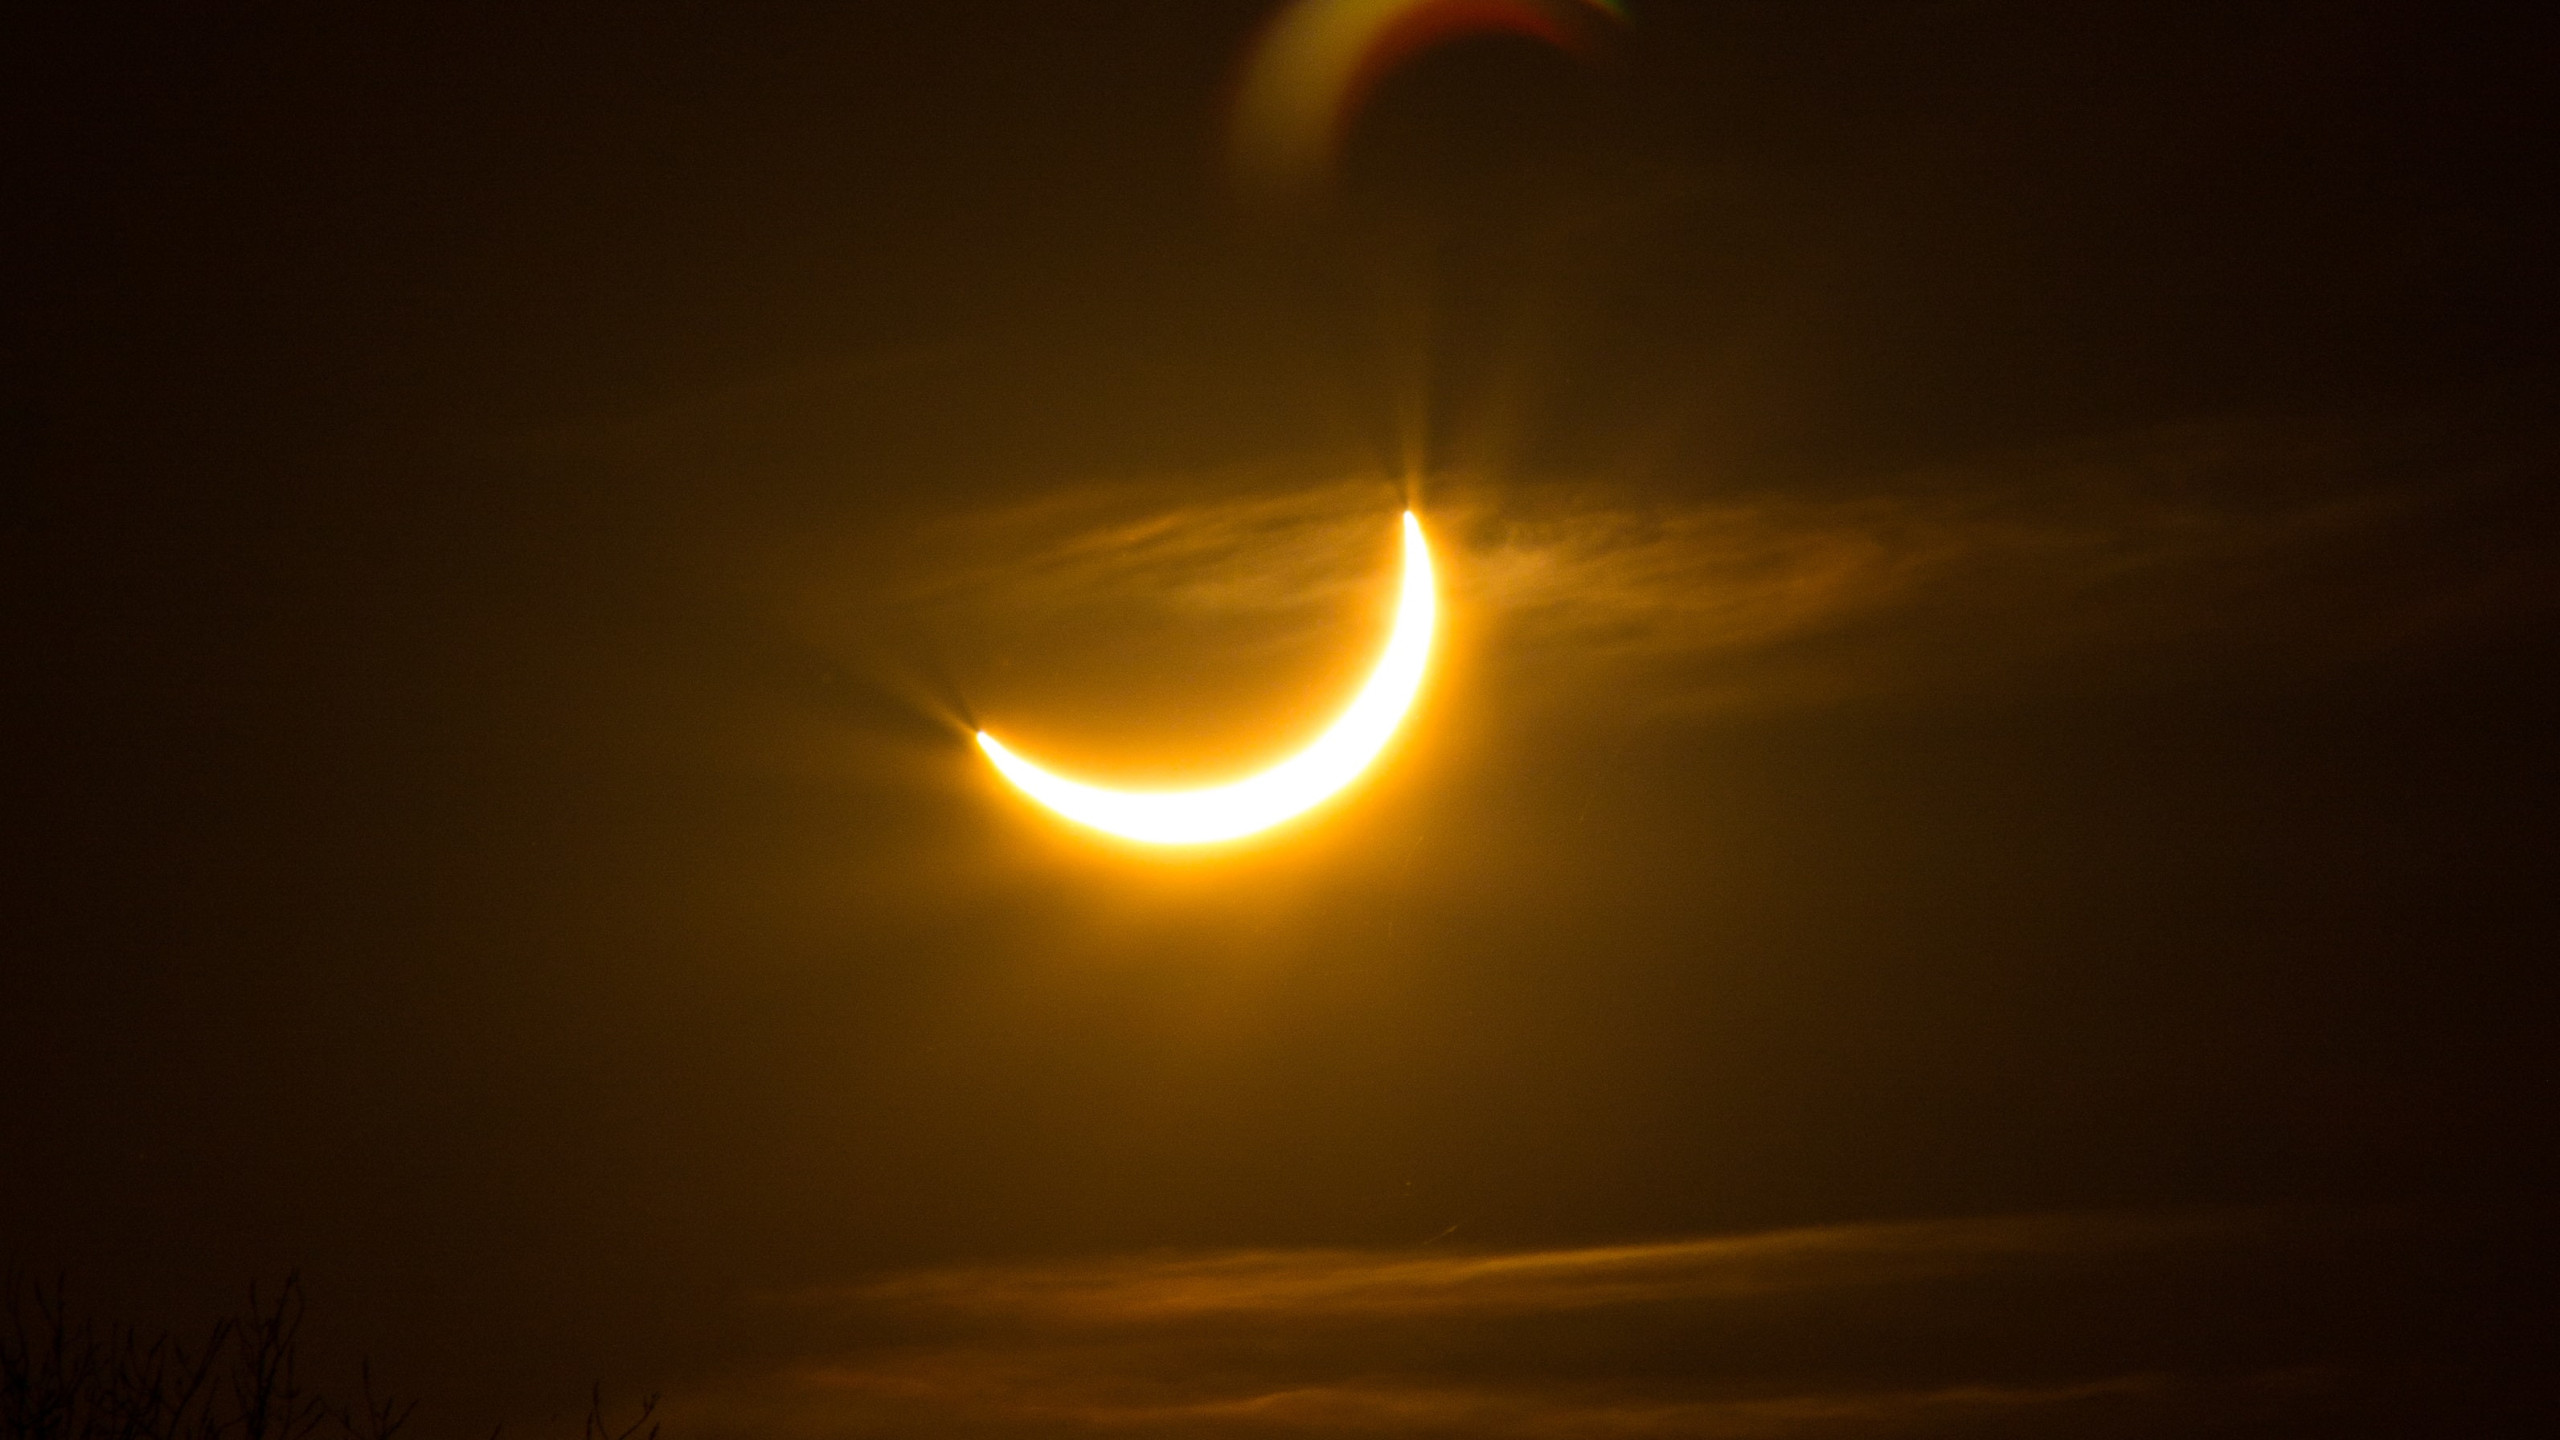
[1361, 1283]
[1661, 1339]
[2226, 539]
[961, 1399]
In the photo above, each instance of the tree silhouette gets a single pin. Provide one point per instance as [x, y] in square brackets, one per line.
[67, 1377]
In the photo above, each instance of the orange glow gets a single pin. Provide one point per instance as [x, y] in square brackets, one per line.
[1284, 791]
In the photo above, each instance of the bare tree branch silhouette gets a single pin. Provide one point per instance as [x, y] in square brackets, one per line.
[65, 1376]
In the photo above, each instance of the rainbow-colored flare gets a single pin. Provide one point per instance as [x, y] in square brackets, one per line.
[1318, 61]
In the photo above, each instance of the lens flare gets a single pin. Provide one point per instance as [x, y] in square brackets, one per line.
[1318, 61]
[1286, 790]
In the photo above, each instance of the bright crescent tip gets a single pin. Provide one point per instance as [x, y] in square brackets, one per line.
[1288, 789]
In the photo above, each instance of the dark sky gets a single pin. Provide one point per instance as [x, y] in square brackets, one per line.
[1978, 860]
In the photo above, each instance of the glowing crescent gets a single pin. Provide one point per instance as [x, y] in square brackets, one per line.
[1290, 788]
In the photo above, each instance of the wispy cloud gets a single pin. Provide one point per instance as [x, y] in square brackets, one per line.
[1366, 1283]
[966, 1398]
[2207, 537]
[1819, 1331]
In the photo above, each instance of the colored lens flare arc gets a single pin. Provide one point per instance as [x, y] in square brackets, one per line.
[1318, 61]
[1286, 790]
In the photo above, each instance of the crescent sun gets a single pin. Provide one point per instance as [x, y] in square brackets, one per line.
[1285, 790]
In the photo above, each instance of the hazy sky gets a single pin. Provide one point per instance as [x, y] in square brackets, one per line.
[1978, 858]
